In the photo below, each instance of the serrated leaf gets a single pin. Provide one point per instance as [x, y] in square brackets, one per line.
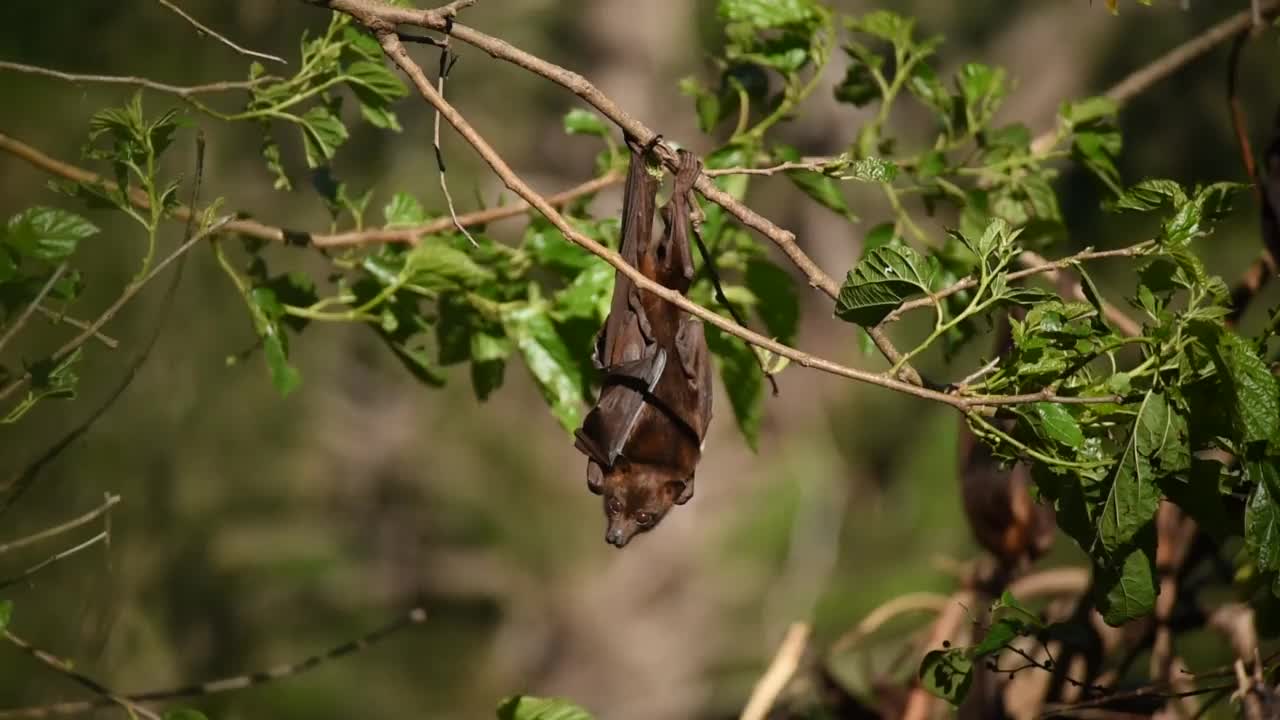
[870, 169]
[322, 134]
[524, 707]
[377, 78]
[742, 379]
[548, 359]
[45, 233]
[947, 674]
[880, 282]
[1157, 444]
[1255, 398]
[1096, 146]
[404, 210]
[766, 14]
[584, 122]
[1149, 195]
[1262, 515]
[1059, 424]
[435, 265]
[1127, 591]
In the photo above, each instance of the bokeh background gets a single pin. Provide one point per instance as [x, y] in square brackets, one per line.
[255, 530]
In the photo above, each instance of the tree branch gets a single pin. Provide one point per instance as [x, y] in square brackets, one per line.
[219, 37]
[383, 18]
[413, 617]
[182, 91]
[63, 667]
[262, 231]
[56, 530]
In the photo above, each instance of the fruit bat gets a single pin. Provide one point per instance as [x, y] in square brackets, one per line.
[644, 437]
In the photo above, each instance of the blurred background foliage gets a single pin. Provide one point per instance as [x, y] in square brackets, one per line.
[255, 530]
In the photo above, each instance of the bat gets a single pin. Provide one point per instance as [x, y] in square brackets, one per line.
[643, 439]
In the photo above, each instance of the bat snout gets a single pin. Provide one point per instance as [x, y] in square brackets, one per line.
[617, 537]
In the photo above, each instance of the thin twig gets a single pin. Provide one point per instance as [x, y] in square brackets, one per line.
[395, 50]
[219, 37]
[56, 530]
[779, 673]
[1162, 67]
[237, 682]
[62, 666]
[255, 229]
[22, 480]
[1036, 265]
[874, 620]
[382, 17]
[446, 64]
[31, 307]
[183, 91]
[58, 317]
[26, 574]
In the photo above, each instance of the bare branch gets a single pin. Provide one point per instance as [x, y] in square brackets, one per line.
[1037, 265]
[58, 317]
[183, 91]
[219, 37]
[779, 673]
[413, 617]
[253, 228]
[63, 555]
[63, 667]
[1162, 67]
[31, 307]
[446, 64]
[56, 530]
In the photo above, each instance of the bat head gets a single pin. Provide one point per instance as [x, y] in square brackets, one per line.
[636, 497]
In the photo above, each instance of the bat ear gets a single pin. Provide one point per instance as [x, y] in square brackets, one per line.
[595, 477]
[682, 491]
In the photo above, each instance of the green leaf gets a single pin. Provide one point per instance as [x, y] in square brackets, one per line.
[1059, 424]
[1157, 445]
[6, 613]
[1262, 515]
[45, 233]
[1088, 110]
[275, 165]
[584, 122]
[869, 169]
[1150, 195]
[859, 86]
[588, 294]
[880, 282]
[766, 14]
[1127, 590]
[777, 304]
[322, 133]
[435, 264]
[284, 376]
[814, 184]
[1255, 398]
[743, 381]
[549, 247]
[525, 707]
[548, 359]
[888, 26]
[982, 88]
[1096, 146]
[947, 674]
[404, 210]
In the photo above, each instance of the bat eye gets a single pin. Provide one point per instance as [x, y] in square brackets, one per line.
[614, 505]
[645, 519]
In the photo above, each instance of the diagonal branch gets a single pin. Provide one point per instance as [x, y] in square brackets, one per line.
[219, 37]
[182, 91]
[383, 18]
[109, 696]
[211, 687]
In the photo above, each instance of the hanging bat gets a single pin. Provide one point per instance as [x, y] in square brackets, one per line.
[643, 439]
